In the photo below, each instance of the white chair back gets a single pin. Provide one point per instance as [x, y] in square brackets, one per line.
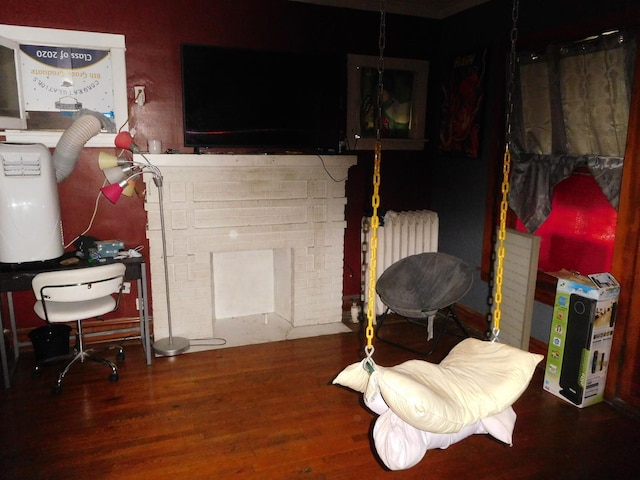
[79, 284]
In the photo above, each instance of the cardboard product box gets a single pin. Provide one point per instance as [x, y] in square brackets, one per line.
[582, 327]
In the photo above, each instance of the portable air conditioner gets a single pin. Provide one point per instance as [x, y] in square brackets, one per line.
[30, 225]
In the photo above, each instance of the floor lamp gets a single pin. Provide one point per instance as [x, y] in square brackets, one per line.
[171, 345]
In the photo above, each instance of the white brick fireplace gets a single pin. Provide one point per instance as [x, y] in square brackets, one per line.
[255, 246]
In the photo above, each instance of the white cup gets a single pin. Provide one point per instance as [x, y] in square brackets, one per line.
[155, 146]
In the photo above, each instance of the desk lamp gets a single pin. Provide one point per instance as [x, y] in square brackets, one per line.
[171, 345]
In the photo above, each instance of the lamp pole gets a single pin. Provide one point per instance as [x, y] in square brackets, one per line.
[171, 345]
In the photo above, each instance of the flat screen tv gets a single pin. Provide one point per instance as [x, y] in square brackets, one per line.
[262, 100]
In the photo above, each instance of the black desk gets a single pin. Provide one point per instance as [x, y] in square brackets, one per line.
[15, 278]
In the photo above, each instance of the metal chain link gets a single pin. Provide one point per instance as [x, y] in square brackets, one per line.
[506, 168]
[512, 72]
[364, 252]
[375, 197]
[373, 247]
[381, 45]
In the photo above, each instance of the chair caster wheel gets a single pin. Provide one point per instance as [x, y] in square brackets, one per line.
[57, 390]
[113, 377]
[120, 356]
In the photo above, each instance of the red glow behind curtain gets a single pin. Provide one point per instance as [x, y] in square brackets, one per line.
[580, 231]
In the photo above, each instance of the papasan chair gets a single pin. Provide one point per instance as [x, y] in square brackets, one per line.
[421, 287]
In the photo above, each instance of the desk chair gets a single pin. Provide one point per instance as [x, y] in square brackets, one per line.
[420, 287]
[76, 295]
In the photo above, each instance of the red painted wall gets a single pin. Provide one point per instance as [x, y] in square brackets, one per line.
[154, 31]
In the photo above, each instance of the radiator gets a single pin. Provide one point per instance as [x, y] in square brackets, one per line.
[400, 234]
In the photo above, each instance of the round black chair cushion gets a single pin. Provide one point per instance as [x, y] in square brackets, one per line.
[418, 286]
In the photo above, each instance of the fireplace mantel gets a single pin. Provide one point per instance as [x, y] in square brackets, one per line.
[287, 205]
[225, 160]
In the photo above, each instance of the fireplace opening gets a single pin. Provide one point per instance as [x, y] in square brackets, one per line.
[252, 282]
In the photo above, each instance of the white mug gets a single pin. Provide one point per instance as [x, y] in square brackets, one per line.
[155, 146]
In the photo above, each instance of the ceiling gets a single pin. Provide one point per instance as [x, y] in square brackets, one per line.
[434, 9]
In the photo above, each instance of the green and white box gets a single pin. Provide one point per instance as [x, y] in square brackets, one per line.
[582, 327]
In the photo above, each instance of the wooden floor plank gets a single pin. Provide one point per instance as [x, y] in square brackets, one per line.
[270, 412]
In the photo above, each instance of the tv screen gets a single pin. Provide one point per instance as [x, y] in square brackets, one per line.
[263, 100]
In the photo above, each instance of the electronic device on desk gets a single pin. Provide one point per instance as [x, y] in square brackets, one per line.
[91, 248]
[109, 248]
[84, 244]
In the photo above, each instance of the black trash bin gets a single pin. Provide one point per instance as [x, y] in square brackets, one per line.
[50, 341]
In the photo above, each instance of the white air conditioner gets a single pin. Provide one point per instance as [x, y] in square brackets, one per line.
[30, 225]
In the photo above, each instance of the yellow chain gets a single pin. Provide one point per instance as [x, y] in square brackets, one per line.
[506, 167]
[502, 234]
[375, 197]
[373, 247]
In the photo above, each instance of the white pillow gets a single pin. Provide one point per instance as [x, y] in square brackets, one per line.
[500, 426]
[355, 377]
[401, 446]
[476, 380]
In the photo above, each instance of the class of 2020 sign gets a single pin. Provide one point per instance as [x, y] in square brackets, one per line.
[67, 79]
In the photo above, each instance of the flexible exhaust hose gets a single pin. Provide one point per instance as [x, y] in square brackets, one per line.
[72, 141]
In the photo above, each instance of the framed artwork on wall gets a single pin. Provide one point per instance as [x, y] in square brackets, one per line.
[59, 73]
[463, 95]
[403, 108]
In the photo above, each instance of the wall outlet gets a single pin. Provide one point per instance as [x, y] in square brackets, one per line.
[139, 96]
[126, 287]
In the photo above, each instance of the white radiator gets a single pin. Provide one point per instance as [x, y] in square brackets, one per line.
[400, 234]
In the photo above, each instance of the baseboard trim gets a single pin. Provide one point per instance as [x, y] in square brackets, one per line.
[96, 331]
[471, 318]
[477, 321]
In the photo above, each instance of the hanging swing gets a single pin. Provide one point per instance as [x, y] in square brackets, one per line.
[422, 405]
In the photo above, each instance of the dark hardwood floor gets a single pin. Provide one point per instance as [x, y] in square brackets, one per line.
[270, 412]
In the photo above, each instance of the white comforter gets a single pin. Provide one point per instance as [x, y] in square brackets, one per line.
[424, 405]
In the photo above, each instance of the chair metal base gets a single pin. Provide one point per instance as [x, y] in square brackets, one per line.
[81, 355]
[447, 313]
